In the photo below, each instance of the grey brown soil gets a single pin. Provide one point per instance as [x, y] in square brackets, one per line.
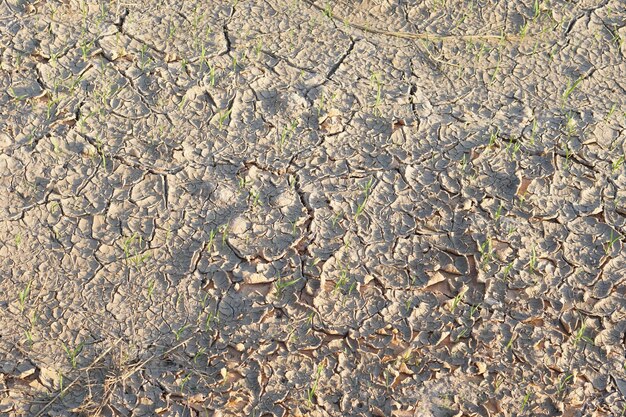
[308, 208]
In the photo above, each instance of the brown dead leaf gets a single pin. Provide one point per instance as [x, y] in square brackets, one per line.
[397, 124]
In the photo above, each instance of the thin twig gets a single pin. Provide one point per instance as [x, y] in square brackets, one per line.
[424, 36]
[98, 359]
[123, 377]
[139, 366]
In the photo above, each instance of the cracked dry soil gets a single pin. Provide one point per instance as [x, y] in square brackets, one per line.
[297, 207]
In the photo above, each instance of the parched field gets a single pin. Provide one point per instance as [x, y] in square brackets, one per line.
[313, 208]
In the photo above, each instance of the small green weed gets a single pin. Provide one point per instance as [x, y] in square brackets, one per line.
[312, 391]
[287, 133]
[23, 295]
[211, 319]
[376, 80]
[336, 218]
[456, 300]
[225, 114]
[525, 401]
[151, 286]
[179, 332]
[255, 198]
[510, 342]
[184, 381]
[612, 239]
[281, 285]
[328, 10]
[210, 245]
[536, 9]
[580, 335]
[493, 137]
[486, 253]
[366, 192]
[507, 270]
[342, 281]
[72, 353]
[563, 383]
[571, 86]
[498, 213]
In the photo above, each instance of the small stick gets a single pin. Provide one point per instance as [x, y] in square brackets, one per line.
[142, 364]
[426, 36]
[98, 359]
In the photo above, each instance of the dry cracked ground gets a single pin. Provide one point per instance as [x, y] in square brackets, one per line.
[307, 208]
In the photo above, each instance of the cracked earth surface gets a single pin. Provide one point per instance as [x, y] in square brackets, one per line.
[289, 207]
